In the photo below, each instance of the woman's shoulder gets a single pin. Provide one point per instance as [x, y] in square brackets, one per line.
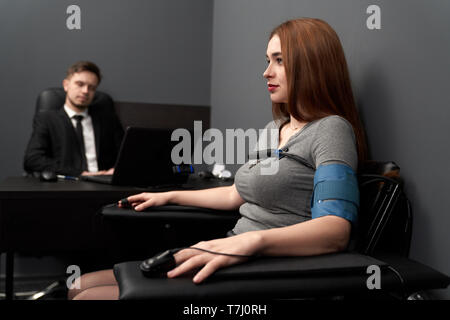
[331, 125]
[333, 121]
[334, 141]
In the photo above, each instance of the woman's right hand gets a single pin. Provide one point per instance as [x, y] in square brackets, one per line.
[145, 200]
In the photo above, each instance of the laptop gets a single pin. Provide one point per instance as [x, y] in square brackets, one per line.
[144, 160]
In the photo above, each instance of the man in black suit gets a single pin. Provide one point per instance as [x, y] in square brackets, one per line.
[76, 139]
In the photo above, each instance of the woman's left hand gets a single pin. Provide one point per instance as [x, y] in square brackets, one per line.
[246, 244]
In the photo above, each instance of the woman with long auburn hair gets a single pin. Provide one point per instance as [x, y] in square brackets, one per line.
[309, 204]
[318, 77]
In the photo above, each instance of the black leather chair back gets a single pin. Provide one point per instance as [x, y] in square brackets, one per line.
[53, 99]
[385, 218]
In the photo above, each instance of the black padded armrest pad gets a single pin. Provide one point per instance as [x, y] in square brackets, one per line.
[416, 276]
[169, 213]
[265, 277]
[273, 267]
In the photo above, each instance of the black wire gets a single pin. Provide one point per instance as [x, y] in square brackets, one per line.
[297, 158]
[215, 252]
[280, 154]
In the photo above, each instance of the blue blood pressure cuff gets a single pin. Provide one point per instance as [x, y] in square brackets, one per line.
[335, 192]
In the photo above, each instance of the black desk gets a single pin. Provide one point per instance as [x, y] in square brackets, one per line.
[44, 218]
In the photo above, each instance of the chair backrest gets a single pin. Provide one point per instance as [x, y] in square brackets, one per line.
[385, 218]
[53, 99]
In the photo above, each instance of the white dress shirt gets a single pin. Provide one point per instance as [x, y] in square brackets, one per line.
[88, 135]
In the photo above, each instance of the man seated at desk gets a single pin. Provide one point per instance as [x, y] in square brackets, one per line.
[76, 139]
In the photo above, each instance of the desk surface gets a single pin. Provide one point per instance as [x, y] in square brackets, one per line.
[33, 188]
[30, 187]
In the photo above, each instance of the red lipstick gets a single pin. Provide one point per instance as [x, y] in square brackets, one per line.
[271, 87]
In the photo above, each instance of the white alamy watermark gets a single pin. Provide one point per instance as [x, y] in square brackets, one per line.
[374, 280]
[73, 281]
[73, 21]
[373, 22]
[237, 145]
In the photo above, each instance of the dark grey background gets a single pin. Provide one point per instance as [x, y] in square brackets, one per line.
[204, 52]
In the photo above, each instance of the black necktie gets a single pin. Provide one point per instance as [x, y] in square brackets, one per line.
[79, 129]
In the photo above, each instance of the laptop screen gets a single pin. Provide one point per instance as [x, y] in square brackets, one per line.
[145, 159]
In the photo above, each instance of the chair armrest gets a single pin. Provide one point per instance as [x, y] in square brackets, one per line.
[169, 213]
[415, 276]
[285, 277]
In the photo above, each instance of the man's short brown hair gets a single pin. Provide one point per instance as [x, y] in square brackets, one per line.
[84, 66]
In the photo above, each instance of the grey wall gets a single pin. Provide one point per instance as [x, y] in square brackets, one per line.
[400, 76]
[156, 51]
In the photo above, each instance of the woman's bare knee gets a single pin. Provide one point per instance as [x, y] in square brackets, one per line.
[89, 280]
[99, 293]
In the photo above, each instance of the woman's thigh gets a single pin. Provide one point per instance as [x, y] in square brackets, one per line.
[90, 280]
[99, 293]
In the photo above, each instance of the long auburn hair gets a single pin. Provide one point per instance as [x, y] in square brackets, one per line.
[317, 76]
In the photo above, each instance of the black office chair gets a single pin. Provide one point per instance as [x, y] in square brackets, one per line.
[52, 99]
[382, 237]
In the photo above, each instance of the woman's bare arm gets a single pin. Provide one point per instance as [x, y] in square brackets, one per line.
[317, 236]
[221, 198]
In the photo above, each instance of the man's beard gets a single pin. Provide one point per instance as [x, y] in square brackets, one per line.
[80, 106]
